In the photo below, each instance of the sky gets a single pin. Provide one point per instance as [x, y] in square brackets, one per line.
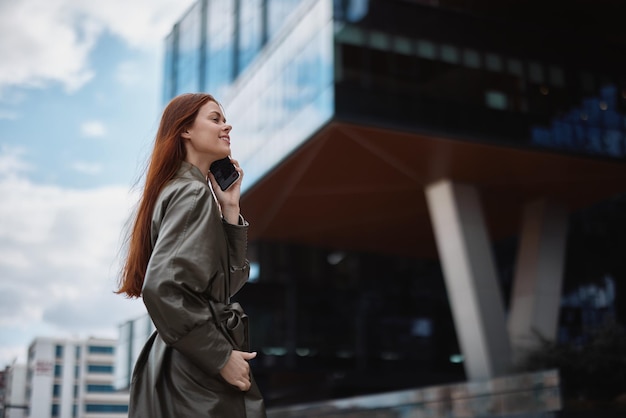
[80, 101]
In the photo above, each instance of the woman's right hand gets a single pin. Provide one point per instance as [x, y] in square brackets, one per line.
[237, 370]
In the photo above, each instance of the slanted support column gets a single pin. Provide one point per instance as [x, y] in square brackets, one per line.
[470, 276]
[536, 295]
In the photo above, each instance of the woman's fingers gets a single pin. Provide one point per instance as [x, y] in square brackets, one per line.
[237, 370]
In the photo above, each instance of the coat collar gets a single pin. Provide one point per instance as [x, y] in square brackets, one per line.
[189, 170]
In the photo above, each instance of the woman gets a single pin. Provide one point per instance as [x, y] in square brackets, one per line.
[186, 257]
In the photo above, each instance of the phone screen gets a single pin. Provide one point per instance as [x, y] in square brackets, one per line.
[224, 172]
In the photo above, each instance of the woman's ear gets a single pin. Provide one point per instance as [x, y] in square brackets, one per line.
[186, 134]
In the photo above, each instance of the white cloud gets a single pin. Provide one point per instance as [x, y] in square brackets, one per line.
[93, 129]
[44, 41]
[11, 162]
[60, 258]
[143, 23]
[87, 168]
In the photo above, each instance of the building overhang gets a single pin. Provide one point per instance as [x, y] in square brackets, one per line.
[361, 188]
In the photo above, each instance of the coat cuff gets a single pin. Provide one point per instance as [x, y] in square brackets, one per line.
[237, 237]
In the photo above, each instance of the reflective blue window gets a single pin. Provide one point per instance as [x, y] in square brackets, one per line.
[58, 351]
[56, 391]
[106, 408]
[188, 59]
[169, 81]
[279, 11]
[250, 32]
[97, 349]
[54, 412]
[220, 46]
[100, 388]
[351, 10]
[58, 370]
[99, 368]
[289, 95]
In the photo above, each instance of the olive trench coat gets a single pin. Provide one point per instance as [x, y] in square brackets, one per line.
[194, 253]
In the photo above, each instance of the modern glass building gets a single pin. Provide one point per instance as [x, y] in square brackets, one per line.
[427, 182]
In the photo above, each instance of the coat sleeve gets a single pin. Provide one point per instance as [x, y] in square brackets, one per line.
[237, 237]
[184, 263]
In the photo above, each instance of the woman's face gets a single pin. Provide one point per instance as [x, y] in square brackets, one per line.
[208, 137]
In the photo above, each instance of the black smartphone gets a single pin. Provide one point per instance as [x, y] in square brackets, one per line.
[224, 172]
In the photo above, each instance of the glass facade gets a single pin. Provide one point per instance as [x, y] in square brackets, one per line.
[278, 12]
[287, 97]
[292, 90]
[338, 323]
[418, 72]
[169, 69]
[250, 32]
[132, 337]
[220, 44]
[336, 59]
[188, 50]
[123, 359]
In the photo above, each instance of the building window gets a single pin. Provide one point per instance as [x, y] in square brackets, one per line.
[514, 67]
[535, 72]
[76, 371]
[250, 32]
[557, 76]
[100, 388]
[54, 412]
[220, 46]
[188, 59]
[56, 391]
[278, 12]
[493, 62]
[496, 100]
[471, 58]
[106, 408]
[99, 368]
[77, 352]
[450, 54]
[58, 370]
[100, 349]
[426, 49]
[58, 351]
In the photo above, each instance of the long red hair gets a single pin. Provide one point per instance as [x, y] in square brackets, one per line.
[168, 152]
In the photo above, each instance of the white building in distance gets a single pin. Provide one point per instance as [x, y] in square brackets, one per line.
[14, 402]
[71, 378]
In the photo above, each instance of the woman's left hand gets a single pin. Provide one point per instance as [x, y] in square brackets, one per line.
[229, 198]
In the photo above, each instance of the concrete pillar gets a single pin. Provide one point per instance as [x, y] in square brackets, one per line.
[536, 293]
[470, 276]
